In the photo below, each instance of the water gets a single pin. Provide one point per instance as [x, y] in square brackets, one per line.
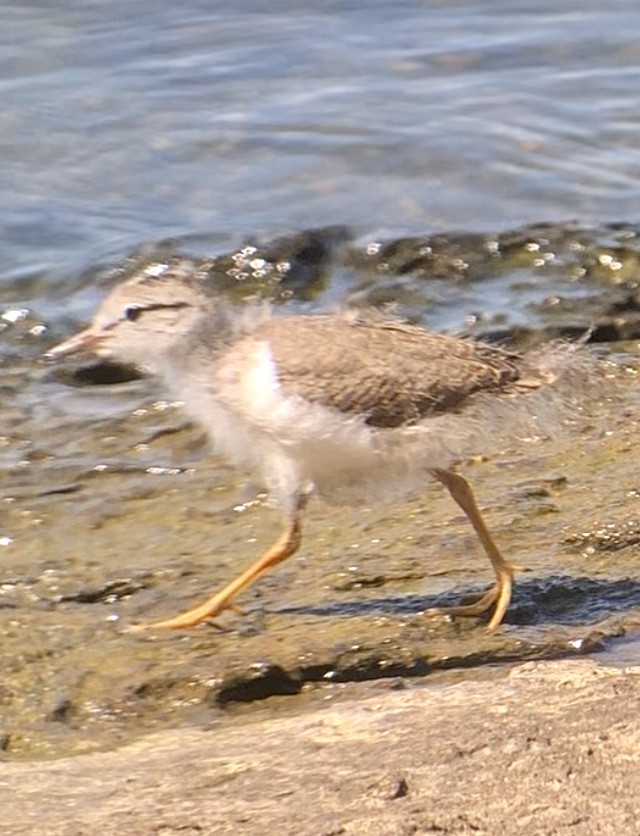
[124, 123]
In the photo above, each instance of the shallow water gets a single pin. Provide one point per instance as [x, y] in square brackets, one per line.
[125, 123]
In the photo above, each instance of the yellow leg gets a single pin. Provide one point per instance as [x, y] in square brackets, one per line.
[284, 547]
[500, 593]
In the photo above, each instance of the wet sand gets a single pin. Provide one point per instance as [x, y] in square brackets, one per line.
[122, 518]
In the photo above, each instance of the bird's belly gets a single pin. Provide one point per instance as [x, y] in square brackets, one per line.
[294, 445]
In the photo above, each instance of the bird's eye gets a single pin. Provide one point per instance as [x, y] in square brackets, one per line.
[132, 313]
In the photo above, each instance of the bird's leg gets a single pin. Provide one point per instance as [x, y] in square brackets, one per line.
[500, 592]
[288, 543]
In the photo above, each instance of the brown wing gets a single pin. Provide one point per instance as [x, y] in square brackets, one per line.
[390, 372]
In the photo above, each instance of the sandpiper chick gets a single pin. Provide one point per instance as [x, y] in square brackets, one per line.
[320, 403]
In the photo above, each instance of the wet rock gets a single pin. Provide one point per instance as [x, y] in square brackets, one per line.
[435, 257]
[95, 374]
[108, 593]
[292, 266]
[259, 683]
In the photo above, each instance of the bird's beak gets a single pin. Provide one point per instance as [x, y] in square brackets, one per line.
[86, 340]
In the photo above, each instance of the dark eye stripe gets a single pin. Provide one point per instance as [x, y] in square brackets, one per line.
[132, 313]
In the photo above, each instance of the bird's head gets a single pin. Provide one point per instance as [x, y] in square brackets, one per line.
[144, 318]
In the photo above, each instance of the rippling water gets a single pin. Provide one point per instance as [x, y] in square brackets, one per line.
[123, 123]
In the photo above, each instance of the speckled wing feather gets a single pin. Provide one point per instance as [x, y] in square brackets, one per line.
[390, 372]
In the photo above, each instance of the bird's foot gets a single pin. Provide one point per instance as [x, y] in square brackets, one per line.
[499, 594]
[191, 618]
